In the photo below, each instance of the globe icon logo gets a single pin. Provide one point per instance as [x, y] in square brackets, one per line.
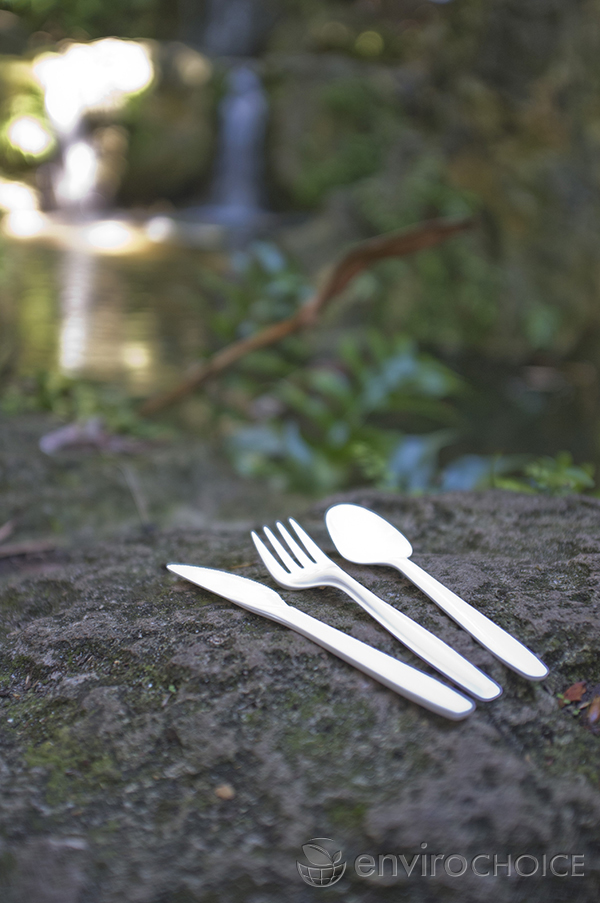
[325, 868]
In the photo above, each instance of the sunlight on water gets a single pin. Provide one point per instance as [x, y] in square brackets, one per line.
[160, 228]
[84, 78]
[137, 356]
[79, 173]
[24, 223]
[20, 202]
[78, 273]
[92, 76]
[16, 196]
[101, 236]
[119, 297]
[28, 134]
[111, 236]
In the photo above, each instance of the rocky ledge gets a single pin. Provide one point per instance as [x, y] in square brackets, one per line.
[160, 745]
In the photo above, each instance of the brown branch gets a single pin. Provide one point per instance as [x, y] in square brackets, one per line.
[359, 258]
[6, 530]
[27, 547]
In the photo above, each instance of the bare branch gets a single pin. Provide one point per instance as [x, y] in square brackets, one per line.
[355, 261]
[28, 547]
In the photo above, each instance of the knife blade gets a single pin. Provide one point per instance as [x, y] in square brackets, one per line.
[405, 680]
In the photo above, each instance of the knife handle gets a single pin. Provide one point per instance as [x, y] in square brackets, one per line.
[494, 638]
[398, 676]
[419, 640]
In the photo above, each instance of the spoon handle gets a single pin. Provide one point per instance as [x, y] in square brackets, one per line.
[494, 638]
[420, 641]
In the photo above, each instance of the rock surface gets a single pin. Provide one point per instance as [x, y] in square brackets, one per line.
[160, 745]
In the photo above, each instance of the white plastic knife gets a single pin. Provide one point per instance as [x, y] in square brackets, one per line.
[415, 685]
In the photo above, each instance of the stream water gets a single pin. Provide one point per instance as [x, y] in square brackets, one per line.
[134, 320]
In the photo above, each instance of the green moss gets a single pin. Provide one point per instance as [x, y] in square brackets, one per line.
[49, 596]
[346, 814]
[48, 731]
[73, 771]
[348, 124]
[579, 755]
[171, 131]
[8, 864]
[322, 729]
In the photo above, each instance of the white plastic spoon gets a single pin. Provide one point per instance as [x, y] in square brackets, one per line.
[364, 537]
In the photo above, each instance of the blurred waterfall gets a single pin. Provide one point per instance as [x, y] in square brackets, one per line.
[74, 182]
[233, 29]
[238, 185]
[227, 28]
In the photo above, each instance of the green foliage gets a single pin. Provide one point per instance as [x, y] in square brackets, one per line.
[346, 139]
[75, 399]
[20, 95]
[128, 18]
[423, 187]
[352, 420]
[551, 476]
[374, 410]
[266, 288]
[447, 296]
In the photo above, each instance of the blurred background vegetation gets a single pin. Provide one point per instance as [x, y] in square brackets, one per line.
[472, 364]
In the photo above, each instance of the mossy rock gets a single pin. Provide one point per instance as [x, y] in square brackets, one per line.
[331, 122]
[172, 129]
[130, 697]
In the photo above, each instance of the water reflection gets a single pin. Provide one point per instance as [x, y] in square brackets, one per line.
[23, 218]
[124, 293]
[134, 320]
[29, 135]
[77, 272]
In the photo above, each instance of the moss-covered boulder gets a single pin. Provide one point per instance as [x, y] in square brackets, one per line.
[171, 129]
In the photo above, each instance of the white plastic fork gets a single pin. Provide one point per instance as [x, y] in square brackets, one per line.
[303, 572]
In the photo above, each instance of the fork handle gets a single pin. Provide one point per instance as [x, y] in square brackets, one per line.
[494, 638]
[398, 676]
[421, 641]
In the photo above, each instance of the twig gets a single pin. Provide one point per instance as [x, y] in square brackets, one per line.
[359, 258]
[6, 530]
[28, 547]
[139, 499]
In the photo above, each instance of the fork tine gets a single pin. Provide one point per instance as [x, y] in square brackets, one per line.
[283, 553]
[300, 554]
[271, 563]
[308, 543]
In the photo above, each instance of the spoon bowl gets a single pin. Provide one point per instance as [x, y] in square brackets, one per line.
[364, 537]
